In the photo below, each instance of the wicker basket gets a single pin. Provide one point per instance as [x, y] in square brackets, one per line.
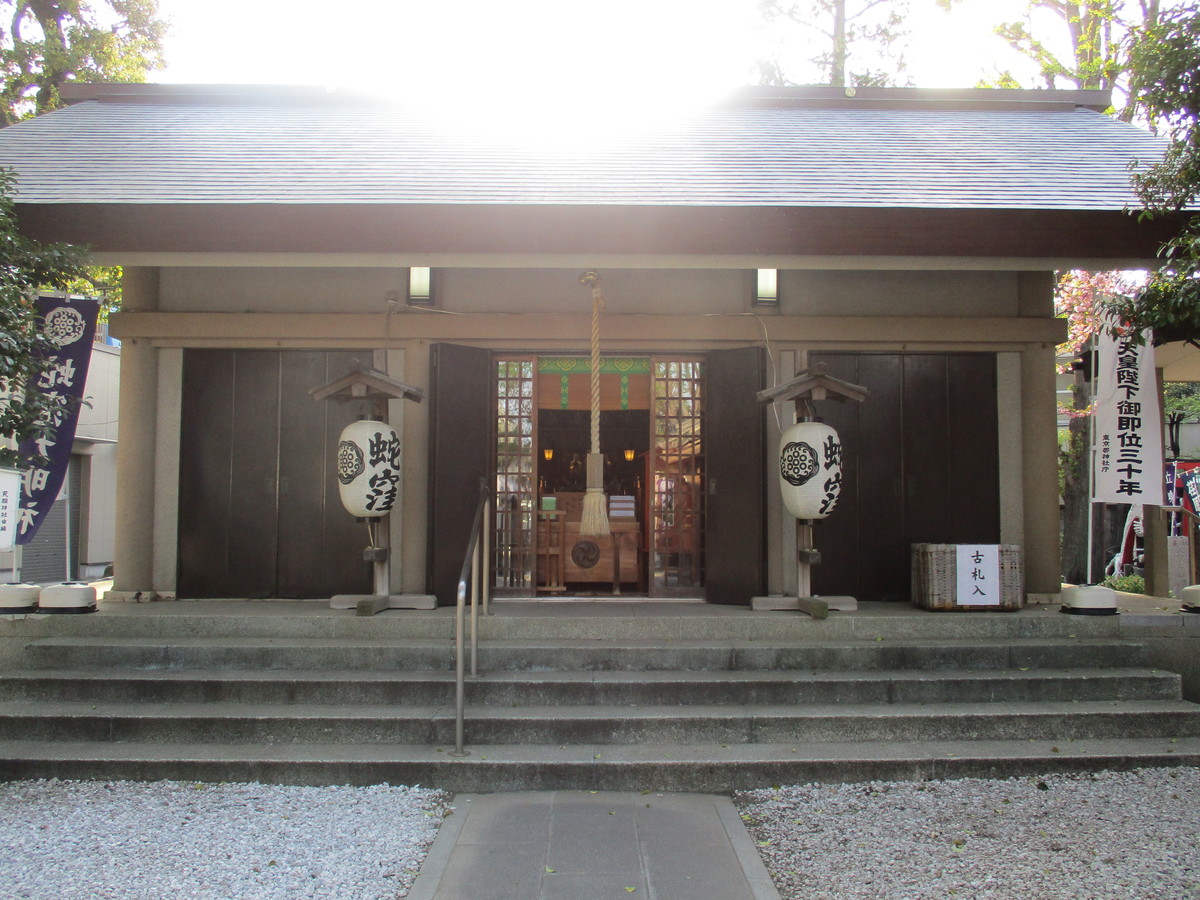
[935, 577]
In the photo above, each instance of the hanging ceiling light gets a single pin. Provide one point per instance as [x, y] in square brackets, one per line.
[767, 288]
[420, 286]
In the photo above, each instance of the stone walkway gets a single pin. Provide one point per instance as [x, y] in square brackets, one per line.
[581, 845]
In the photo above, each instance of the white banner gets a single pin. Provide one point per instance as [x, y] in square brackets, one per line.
[10, 499]
[1128, 453]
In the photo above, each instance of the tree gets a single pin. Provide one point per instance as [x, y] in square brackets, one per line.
[1165, 66]
[1181, 401]
[1090, 52]
[50, 42]
[838, 28]
[25, 267]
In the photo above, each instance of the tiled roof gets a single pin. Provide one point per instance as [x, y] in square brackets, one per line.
[155, 150]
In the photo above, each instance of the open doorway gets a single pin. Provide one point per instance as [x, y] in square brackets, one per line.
[567, 562]
[650, 436]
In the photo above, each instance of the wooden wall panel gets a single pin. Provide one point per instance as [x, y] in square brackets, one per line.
[921, 465]
[734, 449]
[462, 423]
[879, 458]
[254, 513]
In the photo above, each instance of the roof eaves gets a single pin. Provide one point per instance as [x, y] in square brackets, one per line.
[993, 99]
[815, 96]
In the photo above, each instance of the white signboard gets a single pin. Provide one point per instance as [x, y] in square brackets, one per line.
[10, 499]
[978, 569]
[1128, 453]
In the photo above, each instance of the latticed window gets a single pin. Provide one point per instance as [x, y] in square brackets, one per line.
[515, 486]
[678, 460]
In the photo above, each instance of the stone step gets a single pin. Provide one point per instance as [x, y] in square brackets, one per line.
[625, 655]
[676, 767]
[545, 620]
[266, 724]
[509, 688]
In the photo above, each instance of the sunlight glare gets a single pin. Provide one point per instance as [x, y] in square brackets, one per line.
[545, 70]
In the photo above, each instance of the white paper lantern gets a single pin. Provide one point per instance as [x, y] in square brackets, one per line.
[368, 468]
[810, 470]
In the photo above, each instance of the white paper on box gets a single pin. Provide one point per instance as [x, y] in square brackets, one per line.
[978, 575]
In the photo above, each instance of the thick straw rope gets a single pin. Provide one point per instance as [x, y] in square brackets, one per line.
[597, 304]
[594, 518]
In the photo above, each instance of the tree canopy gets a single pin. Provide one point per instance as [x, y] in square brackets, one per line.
[25, 268]
[1165, 67]
[47, 43]
[1095, 52]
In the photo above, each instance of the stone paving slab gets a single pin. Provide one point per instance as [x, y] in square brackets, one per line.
[593, 845]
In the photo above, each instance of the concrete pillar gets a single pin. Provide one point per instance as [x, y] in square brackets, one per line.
[1039, 443]
[1155, 545]
[133, 565]
[413, 522]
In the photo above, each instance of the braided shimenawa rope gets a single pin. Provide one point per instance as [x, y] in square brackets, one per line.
[597, 304]
[594, 518]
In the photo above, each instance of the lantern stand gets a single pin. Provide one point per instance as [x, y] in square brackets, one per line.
[807, 387]
[370, 385]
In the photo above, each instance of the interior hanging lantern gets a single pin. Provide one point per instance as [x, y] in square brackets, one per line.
[368, 468]
[810, 470]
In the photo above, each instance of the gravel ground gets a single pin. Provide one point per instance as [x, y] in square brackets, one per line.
[1074, 837]
[65, 840]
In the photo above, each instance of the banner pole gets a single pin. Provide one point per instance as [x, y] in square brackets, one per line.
[1091, 530]
[66, 495]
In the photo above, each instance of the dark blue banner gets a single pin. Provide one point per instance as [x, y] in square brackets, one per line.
[71, 327]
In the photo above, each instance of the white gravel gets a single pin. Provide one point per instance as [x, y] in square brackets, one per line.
[64, 840]
[1108, 835]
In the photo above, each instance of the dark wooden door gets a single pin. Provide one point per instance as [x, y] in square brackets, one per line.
[921, 464]
[734, 436]
[259, 514]
[320, 544]
[462, 423]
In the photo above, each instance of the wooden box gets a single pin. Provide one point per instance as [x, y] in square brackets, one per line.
[625, 533]
[935, 578]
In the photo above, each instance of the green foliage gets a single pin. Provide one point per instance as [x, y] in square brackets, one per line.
[1126, 584]
[102, 281]
[50, 42]
[1097, 34]
[1182, 398]
[1181, 401]
[1165, 64]
[26, 266]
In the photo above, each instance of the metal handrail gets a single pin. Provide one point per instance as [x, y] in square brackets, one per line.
[474, 568]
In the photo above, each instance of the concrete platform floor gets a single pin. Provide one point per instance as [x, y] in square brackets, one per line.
[581, 845]
[583, 606]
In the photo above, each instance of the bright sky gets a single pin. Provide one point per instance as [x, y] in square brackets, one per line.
[583, 56]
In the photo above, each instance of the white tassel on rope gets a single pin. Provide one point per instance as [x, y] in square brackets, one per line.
[594, 521]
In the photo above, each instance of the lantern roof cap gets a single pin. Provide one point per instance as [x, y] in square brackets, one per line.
[366, 383]
[814, 384]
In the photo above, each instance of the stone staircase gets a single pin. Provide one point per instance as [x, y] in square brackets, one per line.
[621, 697]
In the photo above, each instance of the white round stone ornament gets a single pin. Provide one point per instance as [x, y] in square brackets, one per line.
[67, 597]
[18, 597]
